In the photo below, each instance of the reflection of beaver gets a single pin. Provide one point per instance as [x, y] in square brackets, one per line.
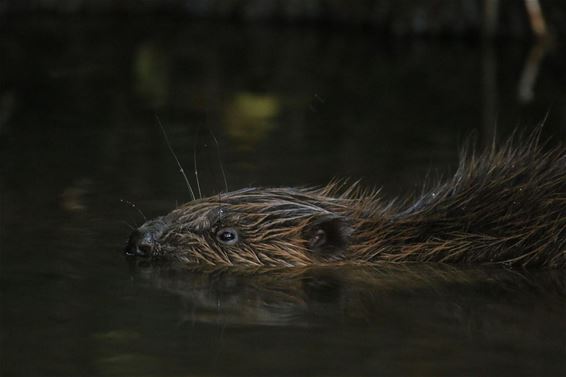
[506, 206]
[369, 294]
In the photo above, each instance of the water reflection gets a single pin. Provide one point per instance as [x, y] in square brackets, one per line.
[323, 295]
[402, 319]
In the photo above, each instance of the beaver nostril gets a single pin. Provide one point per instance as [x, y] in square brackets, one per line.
[140, 244]
[145, 249]
[143, 241]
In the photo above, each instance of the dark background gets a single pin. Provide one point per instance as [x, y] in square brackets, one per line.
[296, 93]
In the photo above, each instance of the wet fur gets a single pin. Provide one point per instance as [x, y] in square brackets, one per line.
[505, 206]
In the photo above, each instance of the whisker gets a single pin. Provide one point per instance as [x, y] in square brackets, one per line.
[195, 162]
[219, 159]
[181, 170]
[132, 205]
[129, 225]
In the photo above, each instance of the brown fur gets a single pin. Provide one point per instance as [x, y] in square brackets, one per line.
[506, 206]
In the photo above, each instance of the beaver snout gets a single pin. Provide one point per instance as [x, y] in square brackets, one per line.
[143, 241]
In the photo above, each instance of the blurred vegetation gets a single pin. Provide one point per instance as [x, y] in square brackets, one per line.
[351, 104]
[249, 117]
[397, 17]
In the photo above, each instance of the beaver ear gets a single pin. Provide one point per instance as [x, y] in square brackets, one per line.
[328, 234]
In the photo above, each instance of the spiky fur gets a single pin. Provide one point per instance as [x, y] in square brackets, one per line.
[506, 206]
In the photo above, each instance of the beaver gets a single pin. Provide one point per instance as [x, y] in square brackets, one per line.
[504, 206]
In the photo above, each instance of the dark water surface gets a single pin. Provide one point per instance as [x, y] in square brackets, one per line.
[289, 107]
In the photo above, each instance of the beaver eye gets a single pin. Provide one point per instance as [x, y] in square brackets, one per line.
[227, 236]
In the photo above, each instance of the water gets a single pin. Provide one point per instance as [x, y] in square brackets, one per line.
[290, 107]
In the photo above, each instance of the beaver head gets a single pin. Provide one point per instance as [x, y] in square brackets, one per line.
[271, 227]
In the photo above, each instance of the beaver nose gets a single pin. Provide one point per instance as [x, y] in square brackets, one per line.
[141, 244]
[143, 241]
